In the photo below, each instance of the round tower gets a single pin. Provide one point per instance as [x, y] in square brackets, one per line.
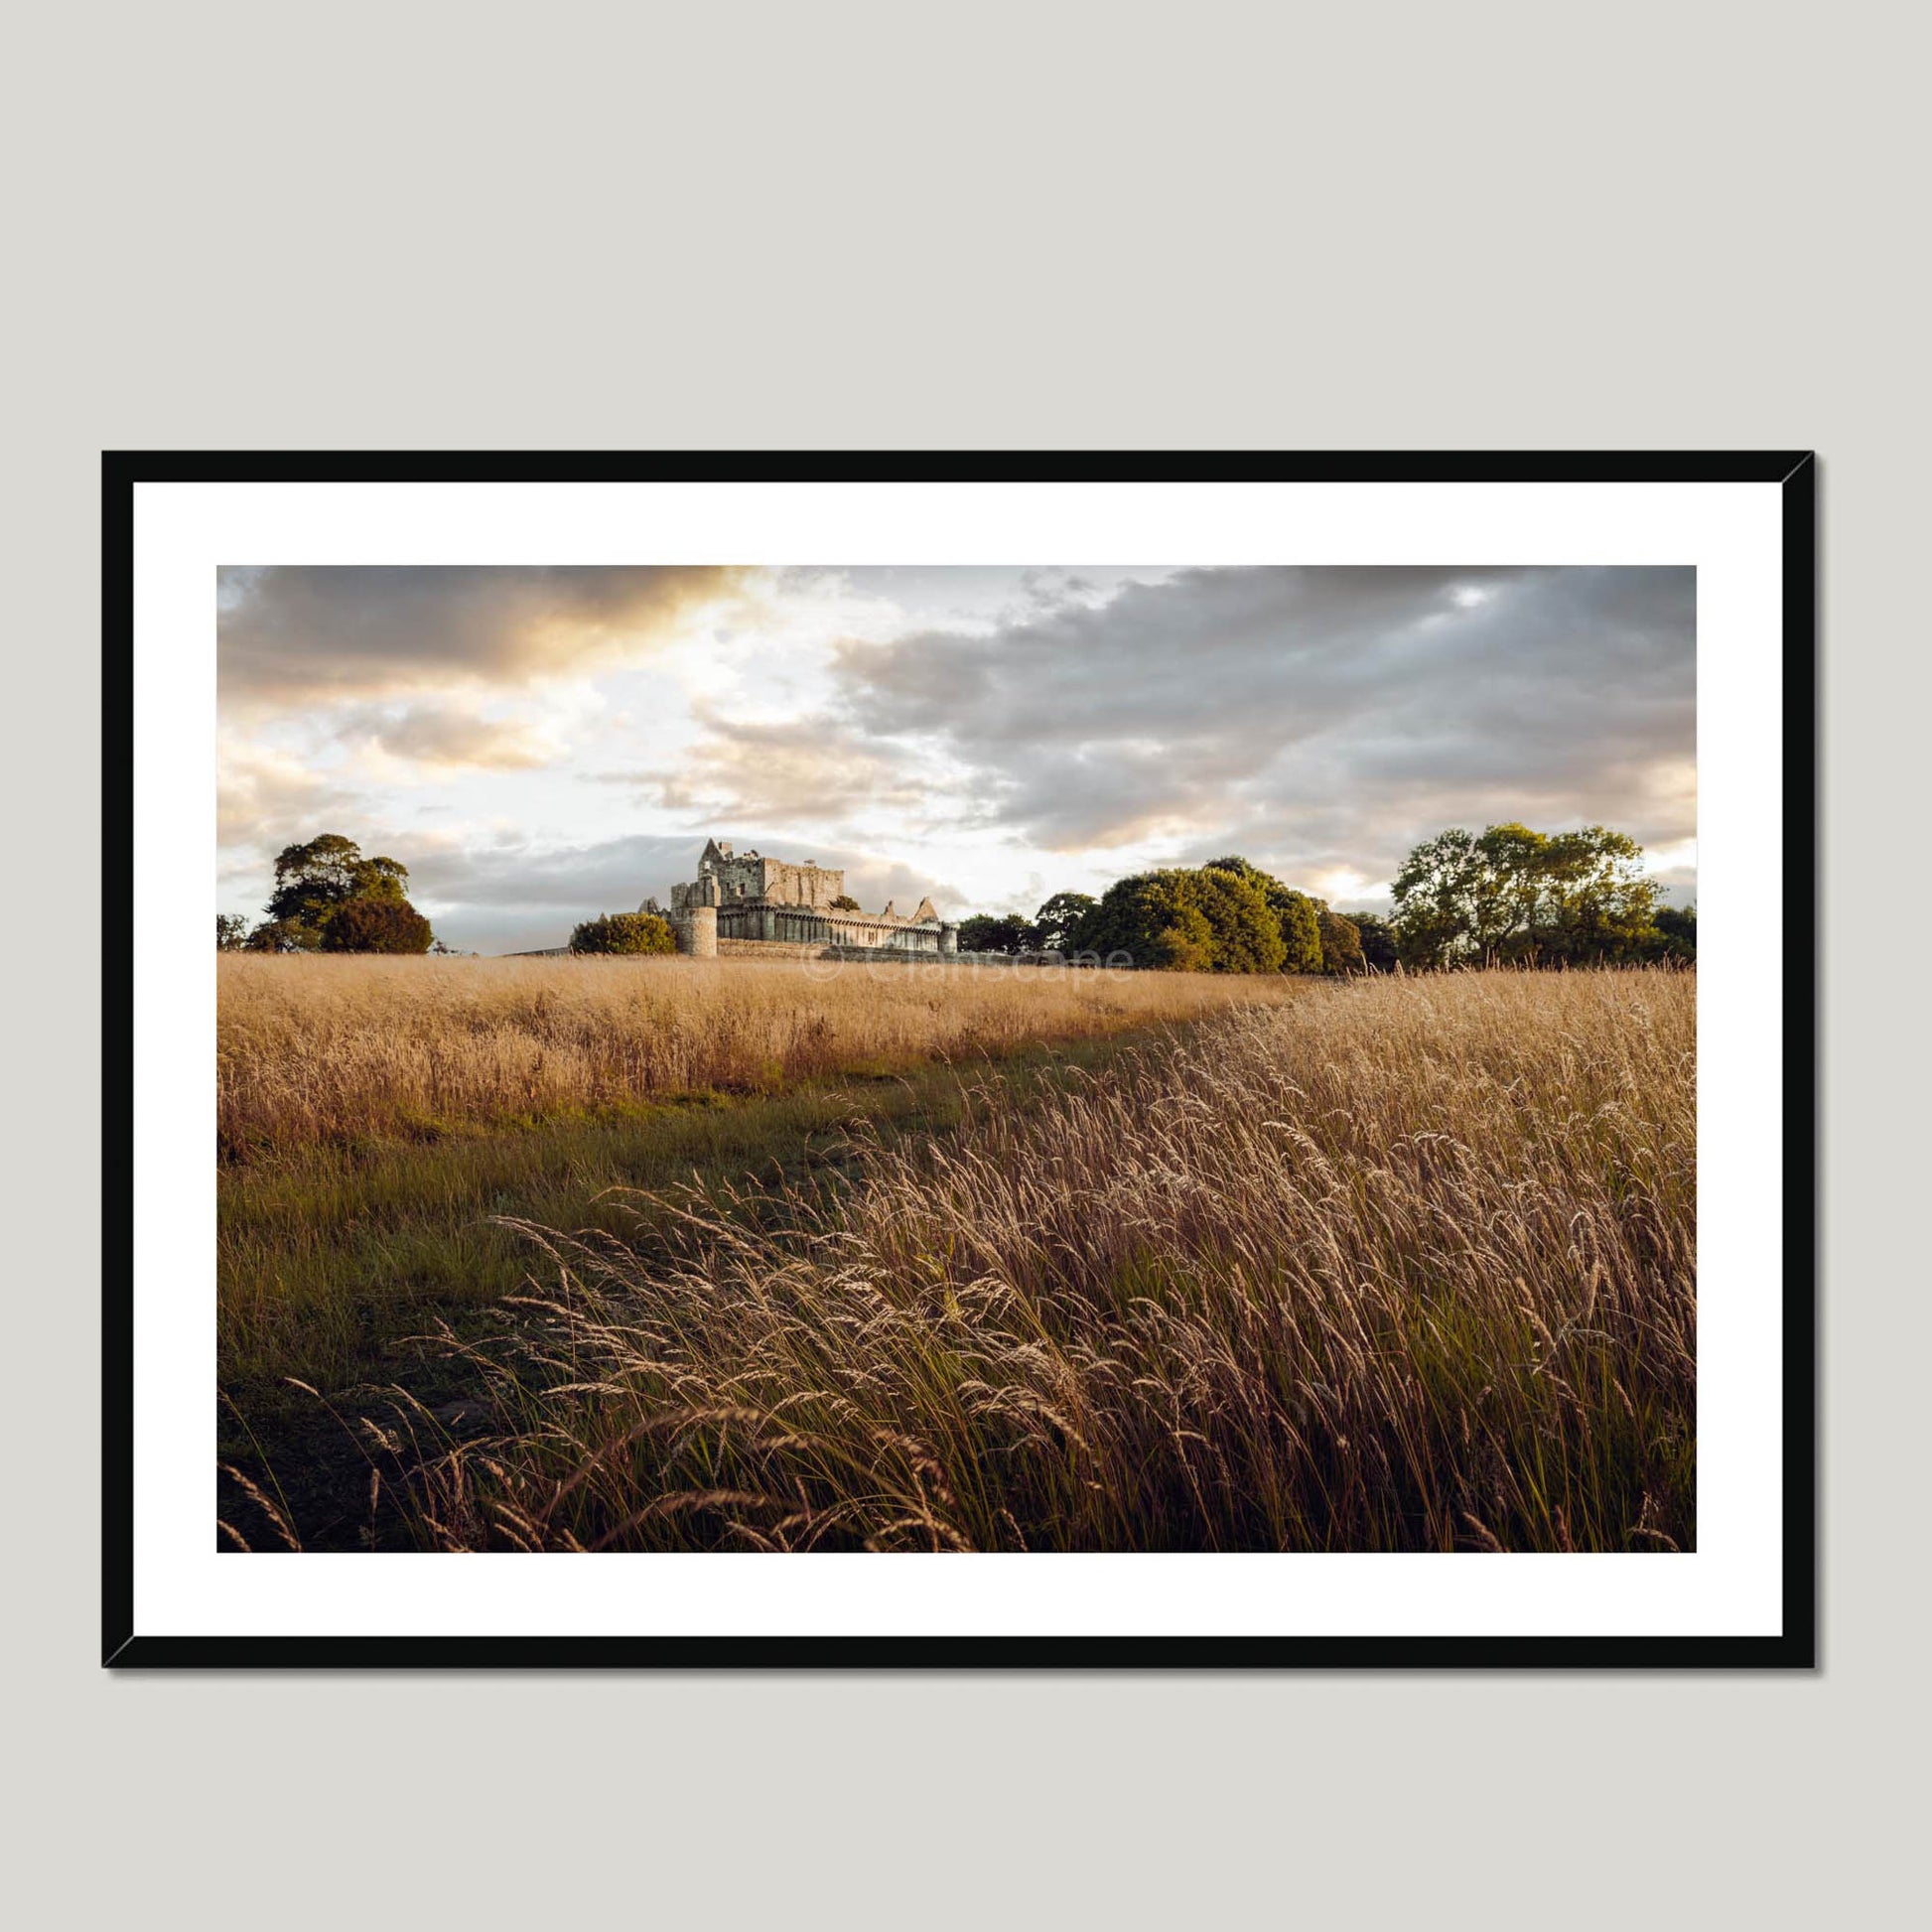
[698, 932]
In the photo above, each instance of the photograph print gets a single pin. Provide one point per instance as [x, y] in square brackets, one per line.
[1079, 1060]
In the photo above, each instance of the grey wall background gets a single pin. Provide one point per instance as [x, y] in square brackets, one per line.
[949, 226]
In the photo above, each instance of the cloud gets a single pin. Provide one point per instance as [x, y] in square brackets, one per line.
[267, 797]
[807, 768]
[445, 736]
[1327, 717]
[291, 633]
[1004, 728]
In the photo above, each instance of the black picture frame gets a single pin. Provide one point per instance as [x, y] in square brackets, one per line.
[1795, 473]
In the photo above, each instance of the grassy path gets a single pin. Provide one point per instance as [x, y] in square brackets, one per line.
[332, 1258]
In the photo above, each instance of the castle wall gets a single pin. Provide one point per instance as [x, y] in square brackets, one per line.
[797, 925]
[767, 949]
[752, 876]
[813, 886]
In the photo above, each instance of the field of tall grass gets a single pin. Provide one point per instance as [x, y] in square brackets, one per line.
[1399, 1264]
[331, 1049]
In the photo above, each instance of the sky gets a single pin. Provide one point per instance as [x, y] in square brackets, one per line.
[539, 744]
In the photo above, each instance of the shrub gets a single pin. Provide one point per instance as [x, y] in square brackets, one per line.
[624, 932]
[390, 926]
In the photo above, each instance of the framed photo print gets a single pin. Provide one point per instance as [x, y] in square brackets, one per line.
[1078, 1060]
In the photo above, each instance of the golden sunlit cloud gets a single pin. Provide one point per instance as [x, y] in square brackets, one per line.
[294, 633]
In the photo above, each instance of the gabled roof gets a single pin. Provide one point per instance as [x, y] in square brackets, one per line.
[926, 910]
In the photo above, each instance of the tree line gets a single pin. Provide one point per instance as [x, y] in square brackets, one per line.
[1512, 896]
[1508, 895]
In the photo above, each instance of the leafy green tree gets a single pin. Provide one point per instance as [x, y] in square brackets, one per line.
[999, 932]
[312, 880]
[624, 932]
[1300, 923]
[1294, 914]
[1154, 919]
[1058, 920]
[1594, 902]
[1377, 939]
[231, 931]
[1514, 895]
[844, 902]
[377, 924]
[1677, 932]
[1436, 899]
[1247, 935]
[1341, 941]
[1507, 884]
[379, 878]
[283, 935]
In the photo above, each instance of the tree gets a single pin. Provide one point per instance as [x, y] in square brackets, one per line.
[1341, 941]
[231, 931]
[1677, 932]
[1594, 902]
[1155, 918]
[312, 880]
[1294, 912]
[624, 932]
[1301, 925]
[377, 924]
[1514, 895]
[1377, 939]
[1001, 932]
[1436, 901]
[1247, 935]
[1055, 923]
[844, 902]
[282, 935]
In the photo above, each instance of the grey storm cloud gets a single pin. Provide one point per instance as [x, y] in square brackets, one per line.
[1326, 716]
[291, 631]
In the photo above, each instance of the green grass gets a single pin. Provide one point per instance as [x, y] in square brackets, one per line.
[330, 1256]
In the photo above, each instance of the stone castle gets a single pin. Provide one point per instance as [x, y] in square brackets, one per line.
[745, 901]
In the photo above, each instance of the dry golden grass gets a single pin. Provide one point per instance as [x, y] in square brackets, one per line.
[316, 1049]
[1400, 1264]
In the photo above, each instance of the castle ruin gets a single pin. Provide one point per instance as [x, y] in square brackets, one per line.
[745, 901]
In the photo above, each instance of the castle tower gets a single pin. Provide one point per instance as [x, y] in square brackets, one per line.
[697, 932]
